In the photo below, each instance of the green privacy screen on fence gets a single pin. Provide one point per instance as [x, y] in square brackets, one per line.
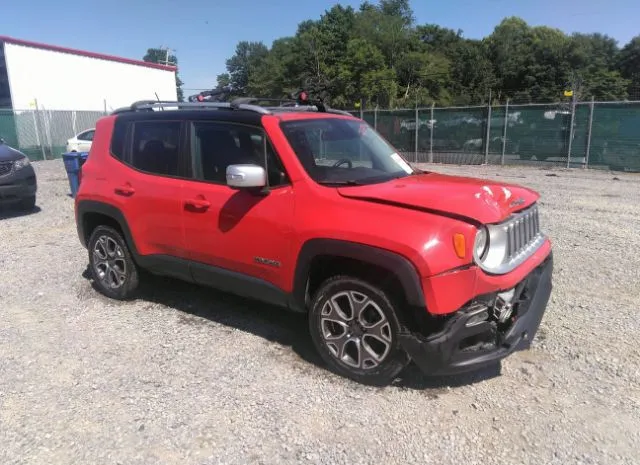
[604, 134]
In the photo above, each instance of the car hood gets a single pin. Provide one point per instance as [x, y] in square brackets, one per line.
[473, 200]
[10, 154]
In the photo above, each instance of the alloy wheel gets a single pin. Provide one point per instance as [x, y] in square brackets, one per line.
[109, 262]
[356, 330]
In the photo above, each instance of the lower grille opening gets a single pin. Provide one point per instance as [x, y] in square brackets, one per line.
[479, 342]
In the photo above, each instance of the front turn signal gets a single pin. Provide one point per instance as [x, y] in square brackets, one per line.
[460, 245]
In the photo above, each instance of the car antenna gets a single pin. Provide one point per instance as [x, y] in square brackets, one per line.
[161, 107]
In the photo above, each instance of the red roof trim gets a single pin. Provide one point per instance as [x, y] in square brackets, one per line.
[73, 51]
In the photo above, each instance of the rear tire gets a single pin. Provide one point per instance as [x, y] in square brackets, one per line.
[354, 327]
[114, 272]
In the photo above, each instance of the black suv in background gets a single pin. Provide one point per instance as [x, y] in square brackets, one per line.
[18, 183]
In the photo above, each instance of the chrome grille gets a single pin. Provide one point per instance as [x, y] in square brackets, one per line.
[5, 167]
[523, 231]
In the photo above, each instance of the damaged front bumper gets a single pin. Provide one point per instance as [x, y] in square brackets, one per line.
[487, 329]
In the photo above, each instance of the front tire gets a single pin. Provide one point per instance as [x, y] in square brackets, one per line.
[355, 329]
[114, 272]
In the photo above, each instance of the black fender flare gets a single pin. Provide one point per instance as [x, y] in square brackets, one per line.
[400, 266]
[85, 207]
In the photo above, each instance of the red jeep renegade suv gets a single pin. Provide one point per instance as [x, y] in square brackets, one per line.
[310, 209]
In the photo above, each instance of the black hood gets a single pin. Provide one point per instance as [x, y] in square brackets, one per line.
[10, 154]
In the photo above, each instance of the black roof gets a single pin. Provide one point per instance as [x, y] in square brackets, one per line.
[246, 117]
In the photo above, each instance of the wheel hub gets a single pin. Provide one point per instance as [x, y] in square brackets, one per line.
[356, 329]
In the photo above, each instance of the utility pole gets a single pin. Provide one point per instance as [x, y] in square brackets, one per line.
[167, 50]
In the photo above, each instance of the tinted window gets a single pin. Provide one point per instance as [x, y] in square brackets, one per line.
[216, 145]
[338, 151]
[118, 139]
[155, 148]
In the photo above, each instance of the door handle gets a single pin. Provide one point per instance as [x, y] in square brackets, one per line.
[200, 204]
[125, 190]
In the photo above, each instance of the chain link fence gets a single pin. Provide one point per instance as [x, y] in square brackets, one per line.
[587, 134]
[573, 134]
[43, 134]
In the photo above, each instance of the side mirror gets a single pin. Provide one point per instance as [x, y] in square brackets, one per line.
[246, 176]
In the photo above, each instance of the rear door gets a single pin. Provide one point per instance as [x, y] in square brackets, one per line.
[149, 189]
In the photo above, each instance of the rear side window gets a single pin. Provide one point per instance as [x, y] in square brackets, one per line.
[156, 147]
[118, 139]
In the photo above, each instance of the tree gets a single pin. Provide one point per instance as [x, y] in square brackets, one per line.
[246, 60]
[158, 55]
[629, 66]
[378, 53]
[386, 25]
[223, 80]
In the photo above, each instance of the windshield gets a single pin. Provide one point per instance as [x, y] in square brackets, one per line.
[337, 151]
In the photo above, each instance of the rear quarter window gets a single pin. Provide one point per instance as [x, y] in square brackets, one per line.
[118, 139]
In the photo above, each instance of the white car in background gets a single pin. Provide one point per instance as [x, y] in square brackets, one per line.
[81, 142]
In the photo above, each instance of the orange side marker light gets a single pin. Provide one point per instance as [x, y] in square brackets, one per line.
[460, 245]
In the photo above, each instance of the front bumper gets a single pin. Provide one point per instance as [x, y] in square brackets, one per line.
[464, 344]
[18, 185]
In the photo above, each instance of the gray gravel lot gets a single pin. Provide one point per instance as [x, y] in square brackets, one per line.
[190, 376]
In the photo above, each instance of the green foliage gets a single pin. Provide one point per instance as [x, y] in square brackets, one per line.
[158, 55]
[629, 65]
[377, 55]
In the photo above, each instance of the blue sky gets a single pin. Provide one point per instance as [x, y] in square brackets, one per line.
[204, 32]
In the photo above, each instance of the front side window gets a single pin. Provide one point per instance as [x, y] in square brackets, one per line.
[338, 151]
[156, 147]
[217, 145]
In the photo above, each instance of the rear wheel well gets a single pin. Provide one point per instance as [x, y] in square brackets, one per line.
[92, 220]
[325, 266]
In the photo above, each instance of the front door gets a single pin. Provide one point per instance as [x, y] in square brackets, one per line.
[238, 240]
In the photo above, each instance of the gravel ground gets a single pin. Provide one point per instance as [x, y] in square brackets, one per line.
[190, 376]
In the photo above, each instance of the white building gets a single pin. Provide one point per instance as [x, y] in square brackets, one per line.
[48, 93]
[58, 78]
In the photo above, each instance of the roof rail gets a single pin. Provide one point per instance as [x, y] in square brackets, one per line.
[244, 103]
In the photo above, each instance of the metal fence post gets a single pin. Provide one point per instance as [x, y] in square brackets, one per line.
[432, 127]
[375, 117]
[504, 132]
[573, 118]
[486, 145]
[38, 123]
[415, 145]
[591, 111]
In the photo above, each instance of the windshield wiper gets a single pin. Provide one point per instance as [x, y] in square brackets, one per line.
[340, 183]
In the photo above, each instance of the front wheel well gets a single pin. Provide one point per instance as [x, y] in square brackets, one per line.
[324, 267]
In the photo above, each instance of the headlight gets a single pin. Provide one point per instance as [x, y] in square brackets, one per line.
[21, 163]
[481, 244]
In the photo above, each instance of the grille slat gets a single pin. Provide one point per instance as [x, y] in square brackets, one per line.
[522, 229]
[510, 245]
[5, 167]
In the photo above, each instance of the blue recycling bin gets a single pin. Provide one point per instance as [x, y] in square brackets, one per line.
[73, 161]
